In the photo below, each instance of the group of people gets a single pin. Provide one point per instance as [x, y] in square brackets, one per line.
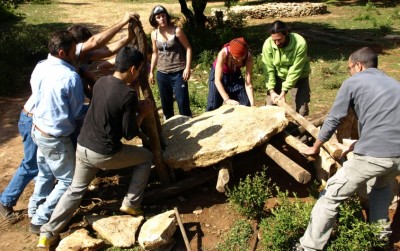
[64, 153]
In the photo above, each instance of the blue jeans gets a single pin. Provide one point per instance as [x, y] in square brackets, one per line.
[88, 163]
[171, 83]
[28, 168]
[56, 163]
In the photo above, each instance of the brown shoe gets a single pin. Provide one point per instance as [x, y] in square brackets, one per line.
[6, 212]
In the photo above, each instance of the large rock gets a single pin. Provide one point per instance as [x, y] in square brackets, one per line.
[157, 231]
[80, 240]
[219, 134]
[119, 230]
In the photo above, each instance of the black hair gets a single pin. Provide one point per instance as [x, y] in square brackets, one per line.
[279, 27]
[61, 40]
[128, 57]
[366, 56]
[81, 33]
[157, 10]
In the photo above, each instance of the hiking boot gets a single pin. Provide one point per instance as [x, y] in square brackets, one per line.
[34, 229]
[47, 240]
[134, 211]
[6, 212]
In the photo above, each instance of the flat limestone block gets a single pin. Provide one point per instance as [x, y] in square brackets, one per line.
[80, 240]
[120, 230]
[214, 136]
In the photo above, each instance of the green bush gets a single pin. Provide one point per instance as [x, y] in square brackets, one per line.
[286, 224]
[249, 196]
[352, 232]
[21, 48]
[237, 238]
[259, 74]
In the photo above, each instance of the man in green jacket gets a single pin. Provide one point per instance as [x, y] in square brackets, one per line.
[284, 54]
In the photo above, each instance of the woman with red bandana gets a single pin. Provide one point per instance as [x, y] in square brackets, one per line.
[226, 83]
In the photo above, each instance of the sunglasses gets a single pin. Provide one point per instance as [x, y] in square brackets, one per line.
[158, 10]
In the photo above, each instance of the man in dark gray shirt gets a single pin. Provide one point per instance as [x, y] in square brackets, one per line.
[114, 113]
[375, 98]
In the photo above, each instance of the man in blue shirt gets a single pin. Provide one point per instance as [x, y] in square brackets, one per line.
[93, 47]
[58, 99]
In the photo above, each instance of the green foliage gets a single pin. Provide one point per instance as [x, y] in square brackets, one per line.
[235, 20]
[7, 10]
[205, 59]
[237, 238]
[370, 6]
[249, 196]
[198, 97]
[286, 224]
[229, 3]
[332, 75]
[259, 75]
[22, 46]
[352, 232]
[364, 16]
[395, 14]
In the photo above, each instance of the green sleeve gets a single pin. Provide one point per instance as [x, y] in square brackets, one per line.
[296, 69]
[267, 58]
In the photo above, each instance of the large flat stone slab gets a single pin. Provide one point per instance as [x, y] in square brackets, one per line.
[80, 240]
[214, 136]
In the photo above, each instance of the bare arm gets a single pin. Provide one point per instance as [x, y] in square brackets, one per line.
[154, 57]
[183, 39]
[102, 38]
[248, 84]
[221, 59]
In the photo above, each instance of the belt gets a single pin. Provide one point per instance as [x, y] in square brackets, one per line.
[26, 112]
[46, 135]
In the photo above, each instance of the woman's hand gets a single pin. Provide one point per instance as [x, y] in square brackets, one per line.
[231, 102]
[151, 78]
[186, 74]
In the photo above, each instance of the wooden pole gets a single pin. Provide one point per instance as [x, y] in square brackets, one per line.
[295, 143]
[296, 171]
[151, 123]
[185, 239]
[334, 149]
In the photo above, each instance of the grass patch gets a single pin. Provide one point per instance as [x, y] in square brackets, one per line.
[237, 238]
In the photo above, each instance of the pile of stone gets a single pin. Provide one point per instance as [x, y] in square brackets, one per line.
[276, 10]
[121, 231]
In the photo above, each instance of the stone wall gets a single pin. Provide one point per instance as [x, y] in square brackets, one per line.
[277, 10]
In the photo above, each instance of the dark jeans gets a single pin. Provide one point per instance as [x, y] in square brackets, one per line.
[170, 84]
[300, 94]
[233, 84]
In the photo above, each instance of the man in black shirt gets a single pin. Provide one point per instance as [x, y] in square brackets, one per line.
[115, 112]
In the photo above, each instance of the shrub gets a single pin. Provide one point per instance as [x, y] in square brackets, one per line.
[237, 238]
[352, 232]
[286, 224]
[249, 196]
[21, 48]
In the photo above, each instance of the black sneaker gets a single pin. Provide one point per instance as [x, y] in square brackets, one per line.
[6, 212]
[35, 229]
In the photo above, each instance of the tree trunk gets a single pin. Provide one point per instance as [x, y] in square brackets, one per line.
[151, 123]
[199, 17]
[187, 13]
